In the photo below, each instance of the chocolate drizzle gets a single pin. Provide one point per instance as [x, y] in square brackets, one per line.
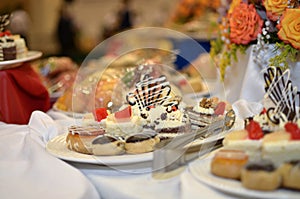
[4, 21]
[283, 94]
[149, 92]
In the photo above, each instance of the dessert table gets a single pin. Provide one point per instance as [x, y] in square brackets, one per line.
[28, 170]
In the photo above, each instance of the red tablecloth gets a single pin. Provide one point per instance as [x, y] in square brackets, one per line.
[22, 92]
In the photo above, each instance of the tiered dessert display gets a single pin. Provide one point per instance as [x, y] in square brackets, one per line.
[265, 155]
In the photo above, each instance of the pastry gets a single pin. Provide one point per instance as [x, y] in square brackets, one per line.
[207, 111]
[261, 175]
[141, 142]
[290, 172]
[79, 138]
[282, 146]
[248, 140]
[228, 163]
[165, 121]
[123, 123]
[107, 145]
[7, 49]
[21, 48]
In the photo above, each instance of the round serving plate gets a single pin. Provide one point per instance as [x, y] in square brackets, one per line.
[31, 55]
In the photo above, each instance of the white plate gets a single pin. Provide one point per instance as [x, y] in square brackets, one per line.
[57, 147]
[31, 55]
[200, 169]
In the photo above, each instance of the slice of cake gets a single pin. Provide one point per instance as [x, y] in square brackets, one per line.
[21, 48]
[7, 49]
[206, 111]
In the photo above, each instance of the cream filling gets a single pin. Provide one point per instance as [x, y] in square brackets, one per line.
[113, 148]
[202, 110]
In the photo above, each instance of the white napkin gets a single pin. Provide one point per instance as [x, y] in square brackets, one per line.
[28, 171]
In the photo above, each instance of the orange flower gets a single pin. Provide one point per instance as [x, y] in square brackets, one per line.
[275, 8]
[289, 27]
[245, 24]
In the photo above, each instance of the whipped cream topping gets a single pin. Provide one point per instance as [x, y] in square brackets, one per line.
[163, 119]
[6, 42]
[207, 111]
[134, 125]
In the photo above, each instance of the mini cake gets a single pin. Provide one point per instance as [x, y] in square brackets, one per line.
[290, 172]
[123, 123]
[267, 125]
[108, 145]
[248, 140]
[21, 48]
[228, 163]
[206, 112]
[157, 105]
[282, 146]
[167, 121]
[80, 138]
[261, 175]
[141, 142]
[7, 49]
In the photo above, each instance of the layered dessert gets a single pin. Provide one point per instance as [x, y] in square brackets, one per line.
[248, 140]
[261, 175]
[123, 123]
[207, 111]
[142, 142]
[7, 49]
[282, 146]
[21, 47]
[108, 145]
[79, 138]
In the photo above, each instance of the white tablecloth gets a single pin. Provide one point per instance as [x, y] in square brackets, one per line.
[27, 170]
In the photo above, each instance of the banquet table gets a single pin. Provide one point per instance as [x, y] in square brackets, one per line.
[27, 170]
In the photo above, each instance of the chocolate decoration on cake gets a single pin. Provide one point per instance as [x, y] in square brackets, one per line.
[4, 21]
[140, 137]
[149, 92]
[283, 94]
[104, 139]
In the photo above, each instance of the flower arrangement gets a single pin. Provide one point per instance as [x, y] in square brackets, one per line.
[258, 22]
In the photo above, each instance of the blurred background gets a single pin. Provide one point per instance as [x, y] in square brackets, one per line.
[91, 18]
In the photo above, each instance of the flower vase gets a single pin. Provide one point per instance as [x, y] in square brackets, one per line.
[244, 79]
